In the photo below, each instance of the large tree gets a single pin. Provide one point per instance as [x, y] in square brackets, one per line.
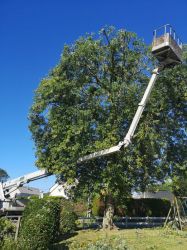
[87, 103]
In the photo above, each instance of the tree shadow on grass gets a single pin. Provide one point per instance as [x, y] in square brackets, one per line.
[67, 236]
[62, 245]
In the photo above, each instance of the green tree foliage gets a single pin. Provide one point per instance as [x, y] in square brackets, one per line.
[176, 185]
[3, 175]
[179, 184]
[87, 103]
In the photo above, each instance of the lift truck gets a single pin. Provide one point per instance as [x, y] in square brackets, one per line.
[167, 48]
[8, 191]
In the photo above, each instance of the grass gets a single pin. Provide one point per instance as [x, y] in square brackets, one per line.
[136, 239]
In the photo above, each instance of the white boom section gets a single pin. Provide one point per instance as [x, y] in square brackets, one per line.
[25, 179]
[141, 107]
[9, 186]
[62, 189]
[135, 121]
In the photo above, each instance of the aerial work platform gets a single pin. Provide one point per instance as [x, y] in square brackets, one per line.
[167, 46]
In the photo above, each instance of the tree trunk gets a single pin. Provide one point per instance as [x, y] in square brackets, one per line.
[108, 217]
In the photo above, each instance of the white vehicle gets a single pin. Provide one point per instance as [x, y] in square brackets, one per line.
[8, 190]
[9, 200]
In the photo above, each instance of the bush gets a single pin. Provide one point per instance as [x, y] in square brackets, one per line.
[7, 229]
[146, 207]
[135, 207]
[113, 243]
[80, 208]
[44, 220]
[40, 224]
[98, 206]
[10, 244]
[67, 218]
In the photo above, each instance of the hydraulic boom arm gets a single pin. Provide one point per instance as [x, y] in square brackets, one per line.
[127, 140]
[9, 186]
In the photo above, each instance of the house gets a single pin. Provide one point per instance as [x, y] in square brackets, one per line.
[25, 191]
[155, 195]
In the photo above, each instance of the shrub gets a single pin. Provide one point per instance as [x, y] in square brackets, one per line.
[146, 207]
[98, 206]
[10, 244]
[44, 220]
[7, 229]
[135, 207]
[67, 217]
[80, 208]
[113, 243]
[40, 224]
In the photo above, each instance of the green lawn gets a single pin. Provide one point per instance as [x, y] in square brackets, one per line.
[136, 239]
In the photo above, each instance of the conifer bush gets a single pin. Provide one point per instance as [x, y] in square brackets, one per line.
[44, 222]
[40, 225]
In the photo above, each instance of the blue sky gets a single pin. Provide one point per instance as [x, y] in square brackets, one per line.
[33, 34]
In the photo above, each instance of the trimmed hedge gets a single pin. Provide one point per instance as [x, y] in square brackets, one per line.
[145, 207]
[44, 222]
[40, 224]
[135, 207]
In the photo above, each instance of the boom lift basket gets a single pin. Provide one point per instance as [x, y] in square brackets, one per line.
[167, 47]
